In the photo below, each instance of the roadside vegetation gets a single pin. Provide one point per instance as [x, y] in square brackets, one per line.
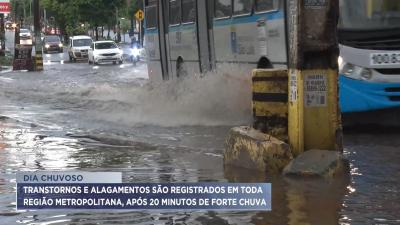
[74, 17]
[5, 60]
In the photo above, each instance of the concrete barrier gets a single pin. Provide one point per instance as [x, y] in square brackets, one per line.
[317, 163]
[270, 102]
[252, 149]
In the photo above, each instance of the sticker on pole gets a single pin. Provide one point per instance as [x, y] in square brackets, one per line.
[315, 90]
[293, 87]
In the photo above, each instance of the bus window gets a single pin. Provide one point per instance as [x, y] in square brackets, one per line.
[241, 7]
[264, 5]
[223, 8]
[188, 11]
[151, 17]
[151, 14]
[174, 12]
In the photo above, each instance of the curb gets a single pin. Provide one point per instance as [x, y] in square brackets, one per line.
[5, 69]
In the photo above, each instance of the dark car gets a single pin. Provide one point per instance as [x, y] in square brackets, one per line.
[52, 44]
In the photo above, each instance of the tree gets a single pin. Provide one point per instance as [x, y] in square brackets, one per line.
[72, 13]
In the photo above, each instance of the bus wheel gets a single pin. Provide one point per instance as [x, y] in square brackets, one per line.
[180, 68]
[264, 63]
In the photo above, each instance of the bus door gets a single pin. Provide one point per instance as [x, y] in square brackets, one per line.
[203, 32]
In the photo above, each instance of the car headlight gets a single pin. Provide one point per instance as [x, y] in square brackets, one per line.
[354, 71]
[47, 46]
[135, 52]
[60, 45]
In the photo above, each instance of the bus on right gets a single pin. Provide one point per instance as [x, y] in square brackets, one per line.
[369, 62]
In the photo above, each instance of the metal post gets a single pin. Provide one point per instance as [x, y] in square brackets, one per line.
[2, 34]
[140, 34]
[314, 116]
[38, 42]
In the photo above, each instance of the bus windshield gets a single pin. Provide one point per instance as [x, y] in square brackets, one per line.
[369, 14]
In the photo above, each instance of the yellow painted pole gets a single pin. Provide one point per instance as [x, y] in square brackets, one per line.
[370, 8]
[314, 115]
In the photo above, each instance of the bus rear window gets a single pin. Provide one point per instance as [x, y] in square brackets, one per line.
[151, 17]
[264, 5]
[174, 12]
[223, 8]
[188, 11]
[242, 7]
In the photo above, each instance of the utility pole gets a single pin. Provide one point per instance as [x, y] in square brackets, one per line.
[24, 9]
[30, 8]
[141, 30]
[38, 41]
[314, 115]
[17, 27]
[2, 35]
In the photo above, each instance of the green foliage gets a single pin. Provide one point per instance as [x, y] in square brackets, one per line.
[71, 13]
[6, 60]
[75, 30]
[132, 9]
[125, 26]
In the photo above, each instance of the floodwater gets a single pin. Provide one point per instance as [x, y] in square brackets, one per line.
[75, 117]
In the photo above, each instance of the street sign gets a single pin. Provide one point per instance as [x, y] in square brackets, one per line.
[139, 15]
[5, 6]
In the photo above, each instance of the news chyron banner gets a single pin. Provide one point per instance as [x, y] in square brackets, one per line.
[84, 190]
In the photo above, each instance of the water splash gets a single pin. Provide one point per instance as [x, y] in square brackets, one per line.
[213, 99]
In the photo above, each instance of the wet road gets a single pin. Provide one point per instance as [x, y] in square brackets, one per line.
[108, 118]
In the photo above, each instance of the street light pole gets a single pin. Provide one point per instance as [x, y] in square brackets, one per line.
[118, 26]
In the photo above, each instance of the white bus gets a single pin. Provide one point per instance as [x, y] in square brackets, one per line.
[369, 33]
[194, 36]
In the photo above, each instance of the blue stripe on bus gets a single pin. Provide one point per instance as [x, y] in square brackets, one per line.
[151, 31]
[182, 27]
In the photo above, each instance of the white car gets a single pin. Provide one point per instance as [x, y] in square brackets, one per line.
[78, 47]
[25, 36]
[105, 51]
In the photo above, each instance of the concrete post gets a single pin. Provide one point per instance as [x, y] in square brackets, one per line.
[314, 115]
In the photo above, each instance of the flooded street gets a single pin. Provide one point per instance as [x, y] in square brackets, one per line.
[76, 117]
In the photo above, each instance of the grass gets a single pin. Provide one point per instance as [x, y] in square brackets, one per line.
[6, 60]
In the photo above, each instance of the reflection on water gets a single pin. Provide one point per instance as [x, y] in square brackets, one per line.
[370, 195]
[297, 201]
